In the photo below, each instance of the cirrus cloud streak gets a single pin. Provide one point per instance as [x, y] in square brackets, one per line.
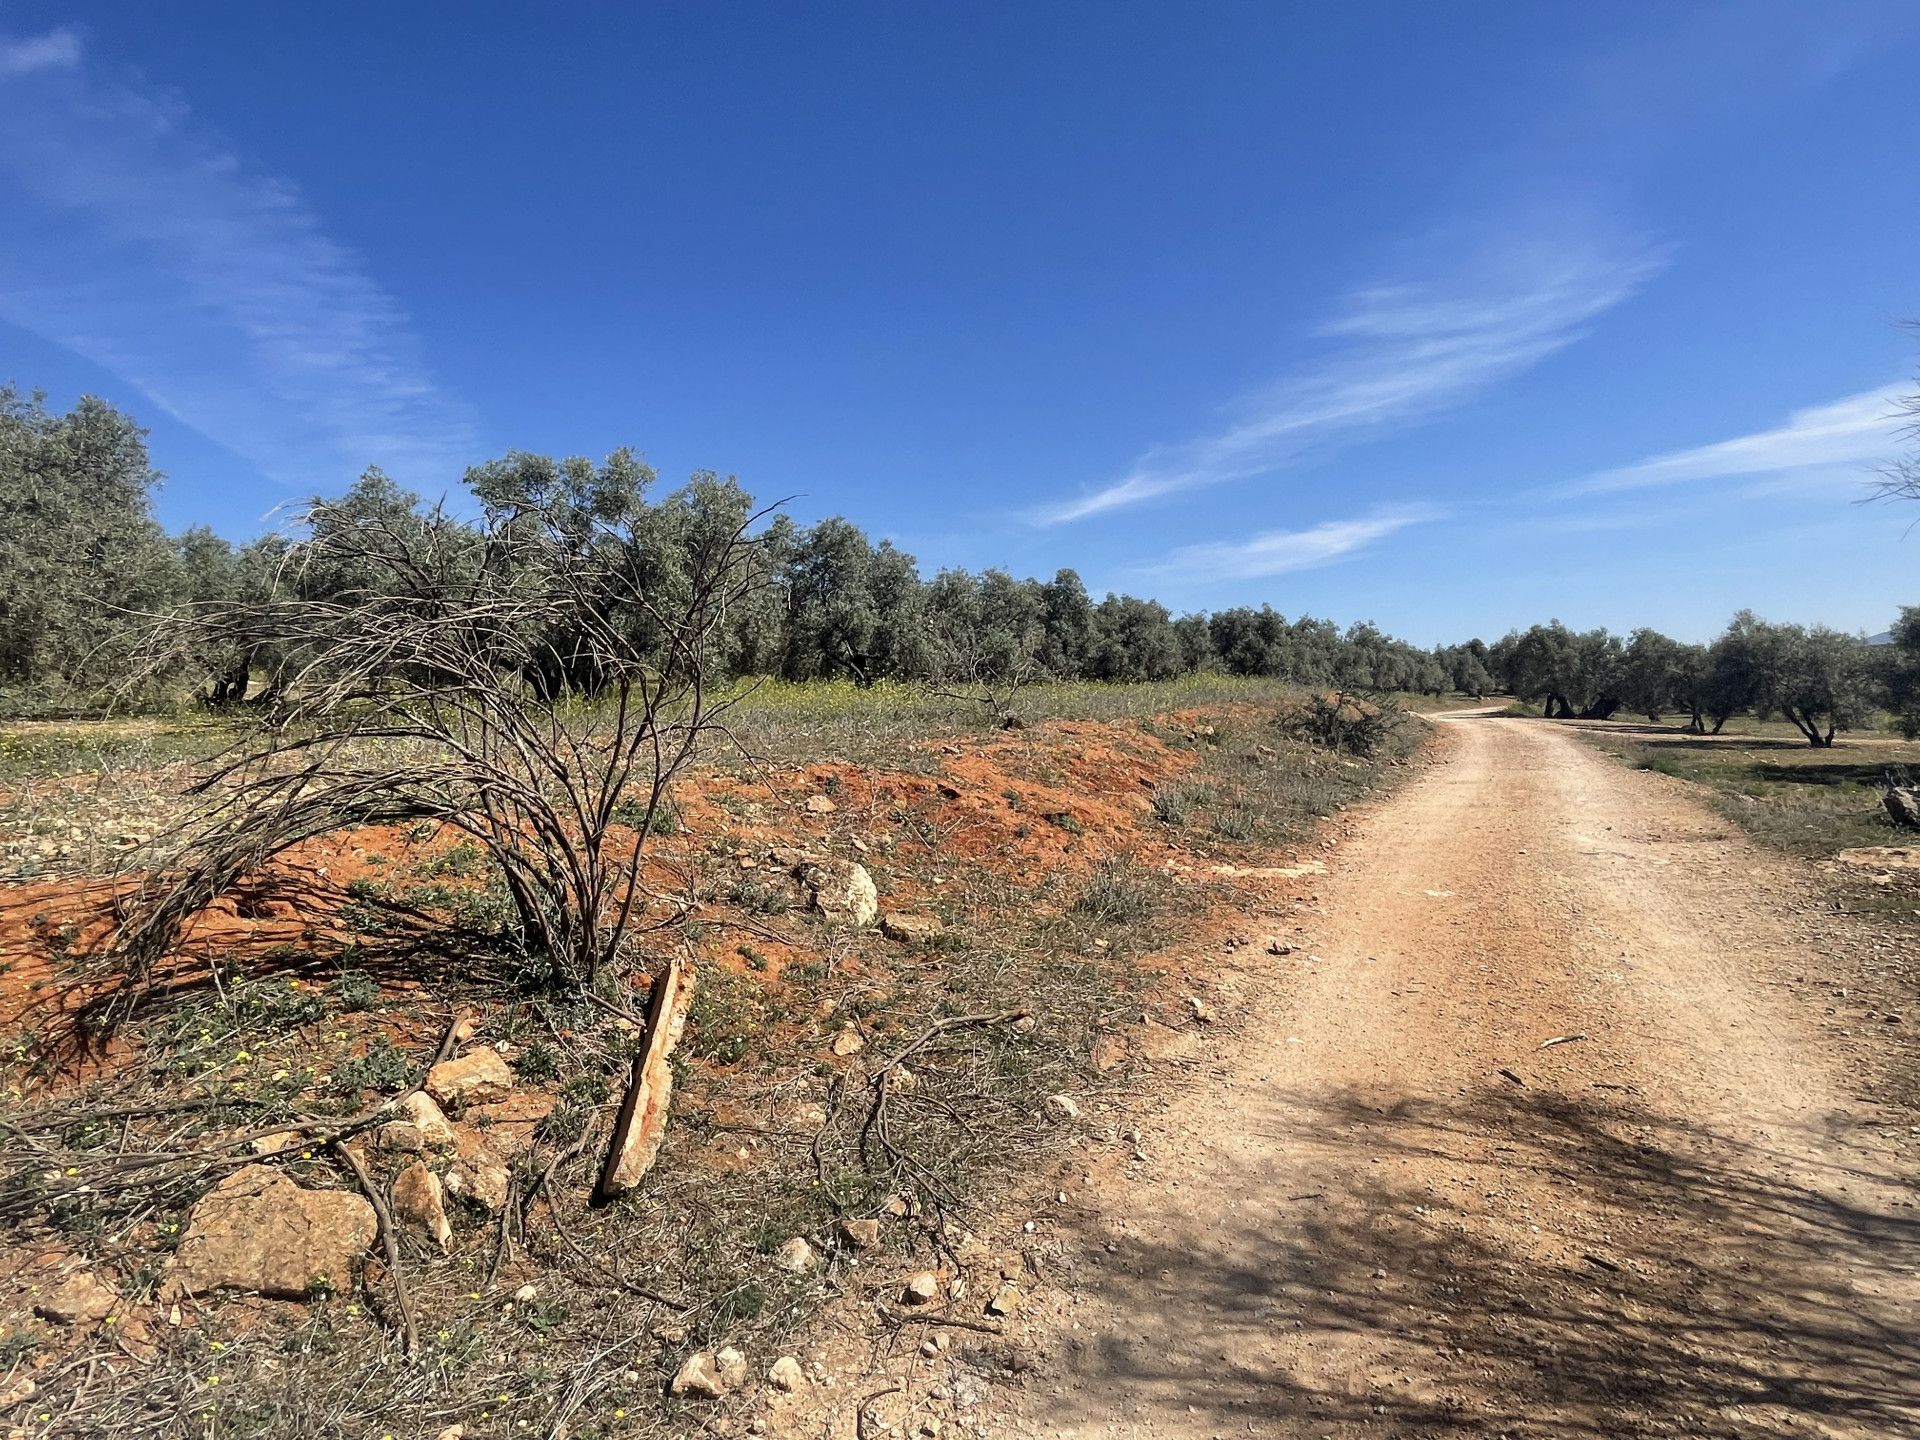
[146, 243]
[1277, 552]
[1399, 352]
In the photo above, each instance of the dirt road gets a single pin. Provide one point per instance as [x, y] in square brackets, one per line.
[1393, 1214]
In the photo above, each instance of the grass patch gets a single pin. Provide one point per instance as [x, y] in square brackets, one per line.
[1120, 893]
[1788, 795]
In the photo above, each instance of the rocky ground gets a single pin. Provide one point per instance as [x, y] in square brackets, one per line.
[334, 1177]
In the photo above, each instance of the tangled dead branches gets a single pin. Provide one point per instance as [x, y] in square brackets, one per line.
[535, 683]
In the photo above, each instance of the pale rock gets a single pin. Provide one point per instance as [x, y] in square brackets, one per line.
[1005, 1300]
[795, 1256]
[1062, 1109]
[475, 1078]
[861, 1234]
[847, 1041]
[786, 1374]
[1202, 1011]
[482, 1177]
[257, 1230]
[78, 1300]
[921, 1289]
[419, 1201]
[820, 805]
[526, 1295]
[841, 890]
[423, 1126]
[969, 1390]
[697, 1377]
[911, 929]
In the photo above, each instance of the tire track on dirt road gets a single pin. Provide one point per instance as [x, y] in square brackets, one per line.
[1684, 1223]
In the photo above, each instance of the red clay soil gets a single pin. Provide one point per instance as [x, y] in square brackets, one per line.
[1059, 796]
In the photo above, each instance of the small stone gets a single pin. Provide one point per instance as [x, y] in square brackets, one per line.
[696, 1377]
[526, 1295]
[786, 1374]
[861, 1234]
[795, 1256]
[419, 1201]
[78, 1300]
[1005, 1300]
[921, 1289]
[910, 929]
[731, 1367]
[820, 805]
[841, 890]
[1062, 1108]
[475, 1078]
[1202, 1011]
[452, 1432]
[847, 1041]
[969, 1390]
[426, 1120]
[481, 1176]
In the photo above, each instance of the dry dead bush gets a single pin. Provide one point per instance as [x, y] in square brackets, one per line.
[535, 683]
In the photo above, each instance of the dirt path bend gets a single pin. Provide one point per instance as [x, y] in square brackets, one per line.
[1396, 1215]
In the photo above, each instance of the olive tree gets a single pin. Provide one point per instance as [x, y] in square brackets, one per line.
[79, 549]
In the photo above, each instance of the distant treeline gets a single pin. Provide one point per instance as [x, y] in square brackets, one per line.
[85, 567]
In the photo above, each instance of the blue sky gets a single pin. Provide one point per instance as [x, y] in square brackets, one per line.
[1448, 317]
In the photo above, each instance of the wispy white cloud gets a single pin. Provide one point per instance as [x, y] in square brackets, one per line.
[1398, 352]
[1275, 552]
[143, 241]
[1856, 432]
[57, 49]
